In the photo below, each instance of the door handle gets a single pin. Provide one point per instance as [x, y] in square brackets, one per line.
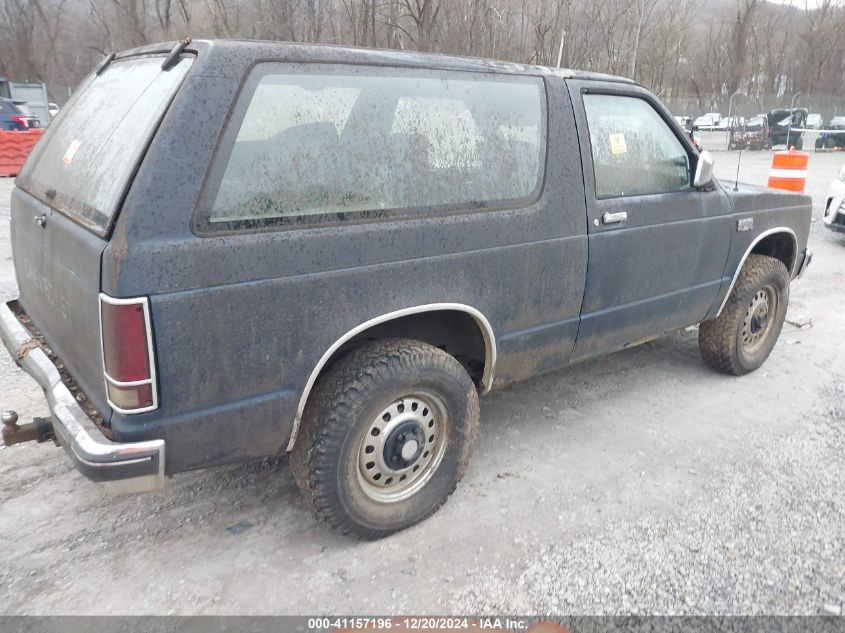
[614, 218]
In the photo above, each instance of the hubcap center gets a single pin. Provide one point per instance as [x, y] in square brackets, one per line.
[404, 445]
[409, 449]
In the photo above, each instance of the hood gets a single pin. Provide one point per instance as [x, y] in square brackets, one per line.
[747, 197]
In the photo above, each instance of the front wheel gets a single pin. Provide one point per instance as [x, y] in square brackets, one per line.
[386, 436]
[741, 338]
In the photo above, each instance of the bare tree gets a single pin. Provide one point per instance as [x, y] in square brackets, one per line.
[693, 59]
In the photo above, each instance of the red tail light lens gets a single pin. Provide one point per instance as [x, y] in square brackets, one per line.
[127, 354]
[17, 118]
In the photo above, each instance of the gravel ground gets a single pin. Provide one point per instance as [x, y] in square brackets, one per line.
[641, 482]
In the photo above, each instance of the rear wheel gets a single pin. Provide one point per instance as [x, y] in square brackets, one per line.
[386, 437]
[741, 338]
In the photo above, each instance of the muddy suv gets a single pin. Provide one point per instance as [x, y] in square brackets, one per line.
[266, 247]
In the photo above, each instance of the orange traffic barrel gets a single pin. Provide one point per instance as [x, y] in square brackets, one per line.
[789, 170]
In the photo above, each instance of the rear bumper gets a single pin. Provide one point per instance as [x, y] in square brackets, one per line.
[131, 467]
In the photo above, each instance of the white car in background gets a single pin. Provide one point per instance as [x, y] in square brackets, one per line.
[834, 208]
[814, 121]
[730, 122]
[708, 121]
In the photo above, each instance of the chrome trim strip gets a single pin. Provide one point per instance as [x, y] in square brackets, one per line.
[139, 460]
[145, 302]
[131, 383]
[480, 319]
[757, 240]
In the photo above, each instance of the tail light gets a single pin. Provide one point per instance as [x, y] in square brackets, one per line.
[17, 118]
[128, 359]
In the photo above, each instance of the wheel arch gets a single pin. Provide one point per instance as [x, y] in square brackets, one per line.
[780, 243]
[380, 325]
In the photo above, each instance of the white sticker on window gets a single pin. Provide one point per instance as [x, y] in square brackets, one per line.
[71, 151]
[617, 144]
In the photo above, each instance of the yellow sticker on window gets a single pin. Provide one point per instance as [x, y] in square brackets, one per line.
[617, 144]
[71, 151]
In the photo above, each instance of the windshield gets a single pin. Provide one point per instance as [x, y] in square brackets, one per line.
[83, 165]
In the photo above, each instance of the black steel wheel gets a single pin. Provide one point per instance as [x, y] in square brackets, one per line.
[741, 338]
[386, 436]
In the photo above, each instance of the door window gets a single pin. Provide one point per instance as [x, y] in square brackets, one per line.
[634, 151]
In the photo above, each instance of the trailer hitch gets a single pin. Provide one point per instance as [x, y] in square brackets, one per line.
[39, 430]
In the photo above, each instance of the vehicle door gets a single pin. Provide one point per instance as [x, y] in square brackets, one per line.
[657, 245]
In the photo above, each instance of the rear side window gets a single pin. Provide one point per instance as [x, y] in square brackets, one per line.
[311, 147]
[84, 163]
[634, 150]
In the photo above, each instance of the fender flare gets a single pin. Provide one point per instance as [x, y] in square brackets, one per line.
[482, 322]
[780, 229]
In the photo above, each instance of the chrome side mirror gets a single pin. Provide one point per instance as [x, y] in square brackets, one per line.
[703, 170]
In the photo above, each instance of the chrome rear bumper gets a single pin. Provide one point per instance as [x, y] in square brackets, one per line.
[131, 467]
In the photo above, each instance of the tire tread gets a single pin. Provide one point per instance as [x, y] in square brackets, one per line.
[331, 406]
[717, 337]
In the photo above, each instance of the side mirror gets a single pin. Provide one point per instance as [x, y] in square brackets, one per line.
[703, 170]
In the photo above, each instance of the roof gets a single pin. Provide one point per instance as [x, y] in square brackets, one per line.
[316, 53]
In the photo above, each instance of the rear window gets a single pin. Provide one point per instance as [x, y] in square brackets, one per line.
[23, 109]
[84, 163]
[311, 146]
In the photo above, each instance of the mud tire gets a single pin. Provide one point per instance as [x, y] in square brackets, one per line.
[325, 457]
[720, 340]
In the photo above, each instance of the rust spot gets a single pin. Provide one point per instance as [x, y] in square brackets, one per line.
[39, 341]
[25, 349]
[119, 250]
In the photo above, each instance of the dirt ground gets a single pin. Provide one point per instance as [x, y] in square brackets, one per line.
[638, 483]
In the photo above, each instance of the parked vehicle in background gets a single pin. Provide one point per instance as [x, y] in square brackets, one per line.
[708, 121]
[685, 121]
[53, 108]
[34, 95]
[358, 245]
[834, 208]
[785, 122]
[730, 123]
[814, 121]
[14, 115]
[691, 131]
[752, 135]
[697, 138]
[833, 139]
